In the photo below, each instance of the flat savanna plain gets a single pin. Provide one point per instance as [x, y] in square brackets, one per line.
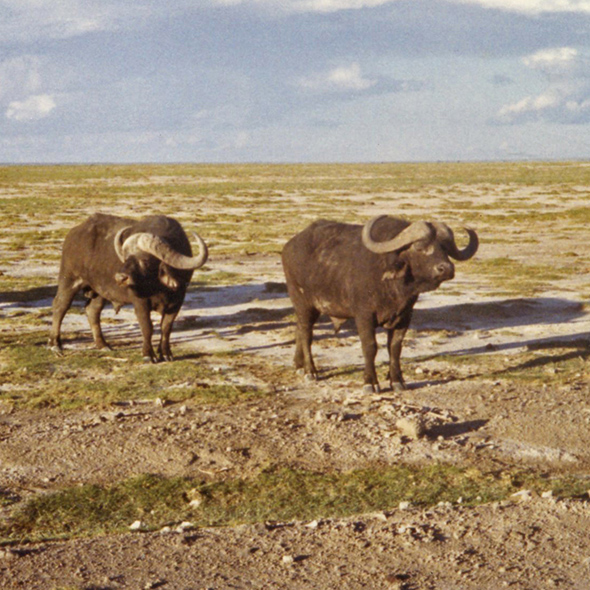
[226, 469]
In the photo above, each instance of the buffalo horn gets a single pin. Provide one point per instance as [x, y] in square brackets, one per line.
[119, 244]
[419, 230]
[445, 236]
[161, 249]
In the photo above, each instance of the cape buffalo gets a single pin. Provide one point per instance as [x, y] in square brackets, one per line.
[146, 262]
[372, 273]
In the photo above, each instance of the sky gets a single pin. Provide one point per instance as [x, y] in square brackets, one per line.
[124, 81]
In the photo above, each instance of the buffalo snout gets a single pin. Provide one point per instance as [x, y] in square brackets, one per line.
[445, 271]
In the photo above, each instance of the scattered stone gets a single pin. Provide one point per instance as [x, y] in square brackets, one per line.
[411, 427]
[397, 581]
[185, 526]
[288, 559]
[405, 505]
[523, 495]
[8, 554]
[136, 526]
[320, 416]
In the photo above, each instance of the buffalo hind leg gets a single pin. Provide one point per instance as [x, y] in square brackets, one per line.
[143, 311]
[61, 303]
[366, 330]
[164, 350]
[306, 319]
[94, 308]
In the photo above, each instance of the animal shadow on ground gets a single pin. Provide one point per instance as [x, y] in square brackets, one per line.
[502, 313]
[36, 295]
[514, 313]
[456, 428]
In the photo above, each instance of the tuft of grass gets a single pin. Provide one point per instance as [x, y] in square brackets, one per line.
[511, 277]
[550, 364]
[274, 495]
[37, 378]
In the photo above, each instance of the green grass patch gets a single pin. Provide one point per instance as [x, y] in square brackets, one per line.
[550, 363]
[274, 495]
[37, 378]
[511, 277]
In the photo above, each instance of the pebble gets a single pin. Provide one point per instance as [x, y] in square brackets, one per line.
[8, 554]
[288, 559]
[522, 495]
[411, 427]
[184, 526]
[136, 526]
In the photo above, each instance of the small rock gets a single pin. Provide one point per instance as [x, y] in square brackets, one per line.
[405, 505]
[136, 526]
[288, 559]
[411, 427]
[184, 526]
[524, 495]
[8, 554]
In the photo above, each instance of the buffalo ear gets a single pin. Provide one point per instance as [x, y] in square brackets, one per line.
[166, 278]
[123, 279]
[396, 269]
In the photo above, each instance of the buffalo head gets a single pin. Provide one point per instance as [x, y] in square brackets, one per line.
[147, 258]
[419, 252]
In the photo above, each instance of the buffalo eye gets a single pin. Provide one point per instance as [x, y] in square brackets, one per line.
[423, 247]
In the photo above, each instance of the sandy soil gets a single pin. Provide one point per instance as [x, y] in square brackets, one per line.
[489, 420]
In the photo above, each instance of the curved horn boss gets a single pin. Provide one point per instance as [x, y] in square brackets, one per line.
[445, 236]
[145, 242]
[419, 230]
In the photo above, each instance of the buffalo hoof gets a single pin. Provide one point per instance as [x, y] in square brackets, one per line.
[307, 376]
[57, 350]
[150, 360]
[398, 387]
[371, 388]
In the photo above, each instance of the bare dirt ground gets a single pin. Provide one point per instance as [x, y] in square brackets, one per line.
[472, 414]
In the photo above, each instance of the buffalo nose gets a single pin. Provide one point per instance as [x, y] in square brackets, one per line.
[445, 271]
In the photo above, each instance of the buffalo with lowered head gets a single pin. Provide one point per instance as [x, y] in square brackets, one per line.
[372, 273]
[147, 262]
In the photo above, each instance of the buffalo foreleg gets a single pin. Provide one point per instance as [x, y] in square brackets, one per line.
[143, 313]
[94, 308]
[394, 345]
[396, 332]
[164, 350]
[306, 318]
[366, 330]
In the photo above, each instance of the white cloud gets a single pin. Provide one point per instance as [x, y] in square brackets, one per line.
[32, 109]
[19, 75]
[520, 6]
[340, 79]
[28, 20]
[533, 6]
[561, 61]
[567, 98]
[306, 5]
